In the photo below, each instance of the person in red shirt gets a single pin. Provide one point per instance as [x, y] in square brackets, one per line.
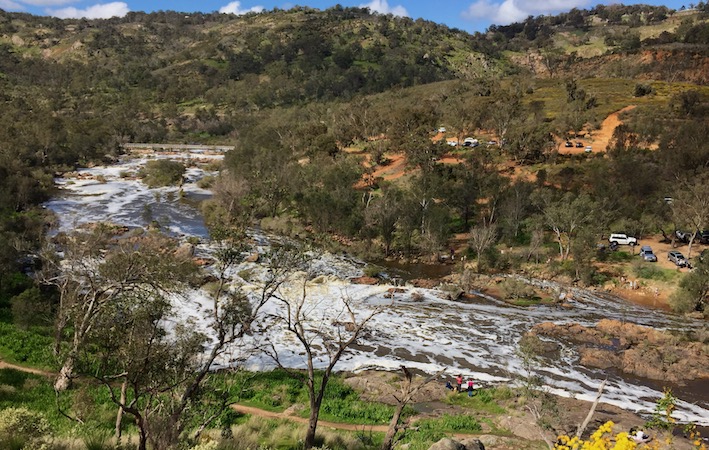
[470, 387]
[459, 381]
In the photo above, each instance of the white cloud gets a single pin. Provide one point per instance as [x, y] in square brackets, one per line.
[382, 7]
[99, 11]
[508, 11]
[10, 5]
[235, 8]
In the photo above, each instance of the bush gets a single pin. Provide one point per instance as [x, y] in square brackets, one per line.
[206, 182]
[30, 308]
[25, 346]
[22, 425]
[641, 90]
[162, 172]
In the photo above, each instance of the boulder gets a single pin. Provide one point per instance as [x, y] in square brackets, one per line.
[451, 444]
[185, 250]
[253, 258]
[634, 349]
[425, 283]
[365, 280]
[447, 444]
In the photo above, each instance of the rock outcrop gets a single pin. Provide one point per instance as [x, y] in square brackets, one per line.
[450, 444]
[634, 349]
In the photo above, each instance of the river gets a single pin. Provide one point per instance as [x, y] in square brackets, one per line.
[419, 328]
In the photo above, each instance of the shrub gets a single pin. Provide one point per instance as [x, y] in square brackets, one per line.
[642, 90]
[23, 425]
[30, 308]
[206, 182]
[162, 172]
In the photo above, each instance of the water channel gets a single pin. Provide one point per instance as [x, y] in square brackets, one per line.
[419, 327]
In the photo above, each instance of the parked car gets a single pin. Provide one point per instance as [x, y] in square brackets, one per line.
[622, 239]
[442, 129]
[704, 237]
[568, 144]
[588, 149]
[452, 143]
[677, 258]
[683, 236]
[646, 254]
[470, 142]
[579, 145]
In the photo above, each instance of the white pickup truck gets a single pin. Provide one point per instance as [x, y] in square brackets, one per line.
[622, 239]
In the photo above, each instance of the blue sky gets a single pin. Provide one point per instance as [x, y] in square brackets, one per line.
[469, 15]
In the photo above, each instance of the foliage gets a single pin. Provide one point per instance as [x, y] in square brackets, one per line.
[32, 346]
[162, 172]
[693, 291]
[651, 272]
[432, 430]
[22, 425]
[601, 439]
[662, 416]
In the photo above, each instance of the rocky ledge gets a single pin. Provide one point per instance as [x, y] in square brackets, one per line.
[634, 349]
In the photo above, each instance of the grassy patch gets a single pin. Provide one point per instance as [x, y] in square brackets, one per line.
[276, 391]
[648, 271]
[428, 431]
[484, 400]
[27, 347]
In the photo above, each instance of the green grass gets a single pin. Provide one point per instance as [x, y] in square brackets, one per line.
[648, 271]
[484, 400]
[27, 347]
[429, 431]
[276, 391]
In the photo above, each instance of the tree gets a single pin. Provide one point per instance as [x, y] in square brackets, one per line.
[164, 363]
[693, 291]
[383, 214]
[162, 172]
[567, 216]
[324, 335]
[95, 271]
[690, 206]
[481, 238]
[407, 391]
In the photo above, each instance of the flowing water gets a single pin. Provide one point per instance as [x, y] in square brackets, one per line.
[419, 328]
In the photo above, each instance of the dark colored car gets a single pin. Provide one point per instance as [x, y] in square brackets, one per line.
[568, 144]
[677, 258]
[646, 254]
[704, 237]
[579, 145]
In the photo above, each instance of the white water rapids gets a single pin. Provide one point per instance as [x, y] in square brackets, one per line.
[418, 328]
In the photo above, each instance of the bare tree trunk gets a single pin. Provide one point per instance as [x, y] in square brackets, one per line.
[119, 415]
[63, 381]
[393, 427]
[583, 426]
[312, 425]
[408, 390]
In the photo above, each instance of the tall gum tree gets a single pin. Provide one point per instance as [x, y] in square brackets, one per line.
[94, 269]
[324, 335]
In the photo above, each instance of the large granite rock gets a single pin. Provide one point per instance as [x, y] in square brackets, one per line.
[465, 444]
[634, 349]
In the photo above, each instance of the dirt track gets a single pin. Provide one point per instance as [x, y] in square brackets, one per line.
[5, 365]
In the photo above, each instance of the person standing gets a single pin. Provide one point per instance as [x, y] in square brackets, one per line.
[459, 381]
[470, 387]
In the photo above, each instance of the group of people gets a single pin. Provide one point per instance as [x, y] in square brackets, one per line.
[469, 385]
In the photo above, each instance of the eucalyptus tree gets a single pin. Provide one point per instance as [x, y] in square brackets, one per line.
[164, 361]
[567, 216]
[93, 270]
[324, 334]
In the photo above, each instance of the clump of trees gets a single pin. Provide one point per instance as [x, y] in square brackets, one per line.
[162, 172]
